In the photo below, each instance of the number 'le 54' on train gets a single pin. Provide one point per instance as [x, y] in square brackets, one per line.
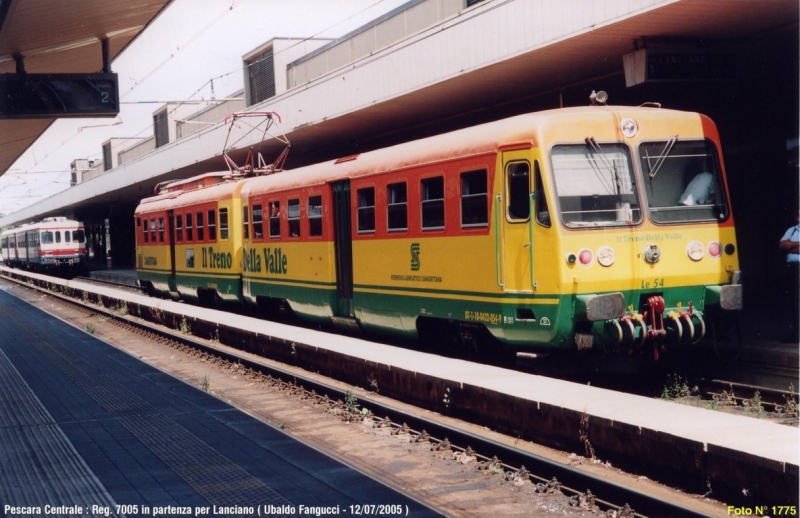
[575, 228]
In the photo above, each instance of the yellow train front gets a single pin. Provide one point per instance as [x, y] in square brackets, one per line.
[595, 227]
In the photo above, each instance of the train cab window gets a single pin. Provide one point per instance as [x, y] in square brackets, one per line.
[432, 203]
[258, 224]
[595, 184]
[152, 230]
[200, 228]
[275, 219]
[179, 228]
[47, 238]
[315, 215]
[78, 236]
[67, 236]
[682, 181]
[246, 222]
[540, 198]
[294, 218]
[212, 225]
[58, 236]
[160, 230]
[366, 210]
[223, 223]
[397, 206]
[474, 199]
[518, 183]
[189, 229]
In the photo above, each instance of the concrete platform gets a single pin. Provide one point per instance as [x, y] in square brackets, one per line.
[678, 444]
[85, 427]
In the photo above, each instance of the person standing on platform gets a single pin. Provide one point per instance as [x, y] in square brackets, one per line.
[790, 243]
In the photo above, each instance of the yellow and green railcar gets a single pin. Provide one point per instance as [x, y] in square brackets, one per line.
[571, 228]
[186, 243]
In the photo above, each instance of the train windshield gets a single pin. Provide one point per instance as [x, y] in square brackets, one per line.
[78, 236]
[682, 181]
[47, 238]
[595, 184]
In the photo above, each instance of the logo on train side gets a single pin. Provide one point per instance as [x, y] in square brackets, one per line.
[273, 259]
[415, 262]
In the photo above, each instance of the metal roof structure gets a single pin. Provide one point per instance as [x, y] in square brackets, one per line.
[480, 63]
[62, 37]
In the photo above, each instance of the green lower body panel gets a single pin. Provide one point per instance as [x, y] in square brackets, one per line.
[629, 319]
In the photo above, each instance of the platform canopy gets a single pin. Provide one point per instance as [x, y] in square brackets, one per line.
[60, 37]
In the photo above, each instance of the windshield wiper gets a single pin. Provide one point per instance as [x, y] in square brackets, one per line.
[662, 157]
[612, 168]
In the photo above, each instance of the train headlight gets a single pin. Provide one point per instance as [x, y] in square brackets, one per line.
[714, 250]
[695, 250]
[628, 127]
[606, 256]
[585, 257]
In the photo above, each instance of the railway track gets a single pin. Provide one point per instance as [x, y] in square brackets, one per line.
[584, 490]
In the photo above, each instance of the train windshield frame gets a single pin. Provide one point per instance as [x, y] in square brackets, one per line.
[682, 181]
[595, 184]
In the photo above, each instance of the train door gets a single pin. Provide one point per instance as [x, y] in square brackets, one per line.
[515, 241]
[171, 236]
[343, 250]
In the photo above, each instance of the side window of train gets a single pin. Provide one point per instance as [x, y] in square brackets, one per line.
[179, 228]
[58, 236]
[223, 223]
[189, 230]
[274, 219]
[246, 221]
[366, 210]
[153, 230]
[432, 194]
[315, 215]
[258, 223]
[542, 212]
[200, 229]
[397, 206]
[518, 183]
[160, 230]
[212, 224]
[474, 199]
[294, 218]
[67, 237]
